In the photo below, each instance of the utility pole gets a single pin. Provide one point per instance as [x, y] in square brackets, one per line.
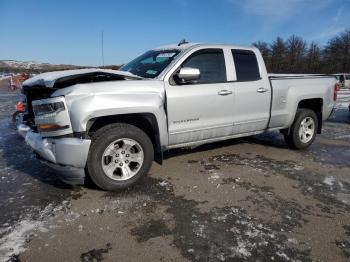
[102, 50]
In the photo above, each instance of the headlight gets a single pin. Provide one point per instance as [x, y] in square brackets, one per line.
[51, 114]
[51, 108]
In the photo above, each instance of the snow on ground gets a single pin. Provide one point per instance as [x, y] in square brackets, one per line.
[329, 180]
[4, 77]
[343, 96]
[343, 100]
[13, 239]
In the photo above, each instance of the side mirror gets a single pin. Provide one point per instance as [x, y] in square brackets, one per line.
[188, 74]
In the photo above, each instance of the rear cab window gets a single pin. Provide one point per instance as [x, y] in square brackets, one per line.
[246, 64]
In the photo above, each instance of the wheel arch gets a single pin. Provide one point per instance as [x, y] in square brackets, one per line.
[147, 122]
[316, 105]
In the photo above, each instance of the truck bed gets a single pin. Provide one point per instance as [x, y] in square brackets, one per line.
[289, 89]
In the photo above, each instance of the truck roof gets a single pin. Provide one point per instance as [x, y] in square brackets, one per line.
[190, 45]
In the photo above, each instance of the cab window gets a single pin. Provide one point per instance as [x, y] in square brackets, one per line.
[247, 68]
[211, 63]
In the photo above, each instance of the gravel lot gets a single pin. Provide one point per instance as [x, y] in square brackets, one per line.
[250, 199]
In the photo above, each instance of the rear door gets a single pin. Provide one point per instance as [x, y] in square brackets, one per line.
[203, 109]
[252, 93]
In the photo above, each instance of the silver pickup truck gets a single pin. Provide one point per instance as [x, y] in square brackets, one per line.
[111, 125]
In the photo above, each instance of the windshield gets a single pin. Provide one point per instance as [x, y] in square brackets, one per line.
[151, 63]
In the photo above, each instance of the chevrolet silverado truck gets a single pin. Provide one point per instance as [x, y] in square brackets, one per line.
[111, 125]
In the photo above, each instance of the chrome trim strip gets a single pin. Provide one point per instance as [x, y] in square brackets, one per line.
[200, 129]
[211, 140]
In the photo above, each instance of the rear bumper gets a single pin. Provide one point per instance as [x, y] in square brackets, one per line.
[67, 156]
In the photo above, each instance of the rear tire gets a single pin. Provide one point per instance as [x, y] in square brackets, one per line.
[303, 130]
[120, 154]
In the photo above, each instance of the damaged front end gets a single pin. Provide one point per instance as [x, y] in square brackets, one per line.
[44, 121]
[44, 85]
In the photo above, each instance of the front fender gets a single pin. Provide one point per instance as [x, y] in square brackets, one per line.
[91, 106]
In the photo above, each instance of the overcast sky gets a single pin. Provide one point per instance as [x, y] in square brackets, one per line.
[67, 31]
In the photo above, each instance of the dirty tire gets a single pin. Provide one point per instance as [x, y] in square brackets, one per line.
[102, 139]
[293, 139]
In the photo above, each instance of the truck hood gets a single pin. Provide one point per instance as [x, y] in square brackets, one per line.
[111, 88]
[50, 79]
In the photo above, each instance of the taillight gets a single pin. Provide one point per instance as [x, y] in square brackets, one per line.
[337, 87]
[335, 93]
[20, 107]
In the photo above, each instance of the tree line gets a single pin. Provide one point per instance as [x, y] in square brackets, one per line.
[296, 56]
[291, 56]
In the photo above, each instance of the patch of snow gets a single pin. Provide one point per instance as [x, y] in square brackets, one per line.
[341, 185]
[4, 77]
[13, 242]
[214, 177]
[71, 216]
[342, 137]
[221, 218]
[298, 167]
[329, 180]
[126, 203]
[221, 257]
[342, 105]
[13, 239]
[235, 230]
[241, 250]
[163, 183]
[283, 255]
[293, 241]
[253, 233]
[199, 229]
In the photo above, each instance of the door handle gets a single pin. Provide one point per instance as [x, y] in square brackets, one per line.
[262, 90]
[224, 92]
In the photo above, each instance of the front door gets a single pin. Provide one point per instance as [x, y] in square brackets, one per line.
[200, 110]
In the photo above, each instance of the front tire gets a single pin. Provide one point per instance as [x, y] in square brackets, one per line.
[303, 130]
[120, 154]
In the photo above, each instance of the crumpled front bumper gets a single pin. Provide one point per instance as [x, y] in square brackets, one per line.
[67, 156]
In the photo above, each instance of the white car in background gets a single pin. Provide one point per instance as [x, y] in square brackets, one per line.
[344, 80]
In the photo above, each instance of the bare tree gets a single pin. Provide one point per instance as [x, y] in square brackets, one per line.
[295, 55]
[313, 59]
[278, 56]
[265, 52]
[337, 53]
